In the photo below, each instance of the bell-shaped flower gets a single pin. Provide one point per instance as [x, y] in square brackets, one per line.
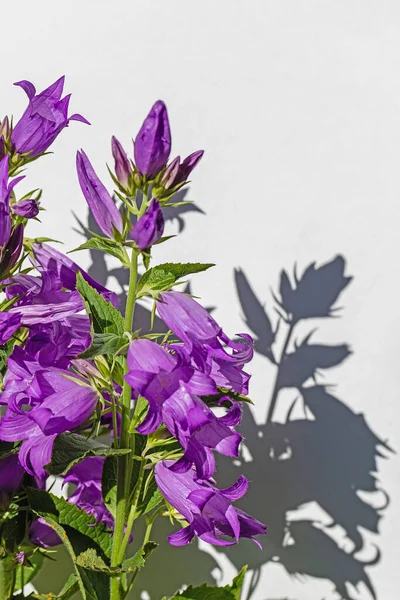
[11, 252]
[9, 324]
[207, 509]
[47, 258]
[150, 227]
[99, 200]
[44, 118]
[157, 375]
[39, 426]
[153, 142]
[205, 340]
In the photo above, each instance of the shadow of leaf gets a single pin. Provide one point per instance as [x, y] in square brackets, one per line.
[315, 293]
[302, 364]
[255, 316]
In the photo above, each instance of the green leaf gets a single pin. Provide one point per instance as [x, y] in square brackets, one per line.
[205, 592]
[71, 448]
[105, 317]
[163, 277]
[91, 534]
[137, 560]
[152, 496]
[71, 586]
[109, 483]
[107, 246]
[104, 343]
[78, 531]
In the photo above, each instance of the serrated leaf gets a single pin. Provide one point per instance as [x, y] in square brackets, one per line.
[71, 448]
[137, 561]
[78, 531]
[49, 506]
[71, 586]
[104, 343]
[206, 592]
[105, 317]
[163, 277]
[107, 246]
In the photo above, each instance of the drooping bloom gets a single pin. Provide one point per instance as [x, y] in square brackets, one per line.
[48, 258]
[204, 340]
[207, 509]
[157, 375]
[153, 142]
[44, 118]
[172, 386]
[150, 227]
[42, 535]
[26, 208]
[57, 404]
[99, 200]
[86, 475]
[178, 172]
[122, 166]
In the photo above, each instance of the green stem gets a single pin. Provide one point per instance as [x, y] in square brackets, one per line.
[3, 579]
[131, 517]
[150, 522]
[275, 392]
[124, 467]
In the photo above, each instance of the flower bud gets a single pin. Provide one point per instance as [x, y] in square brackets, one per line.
[153, 142]
[12, 251]
[5, 128]
[26, 208]
[101, 204]
[150, 227]
[170, 173]
[123, 169]
[2, 148]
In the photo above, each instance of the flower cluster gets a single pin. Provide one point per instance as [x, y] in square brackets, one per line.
[75, 367]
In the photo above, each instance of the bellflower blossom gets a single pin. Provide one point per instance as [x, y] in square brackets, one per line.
[153, 142]
[171, 386]
[150, 227]
[49, 414]
[203, 339]
[44, 118]
[99, 200]
[47, 258]
[207, 509]
[11, 474]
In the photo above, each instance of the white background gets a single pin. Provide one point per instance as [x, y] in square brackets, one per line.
[297, 104]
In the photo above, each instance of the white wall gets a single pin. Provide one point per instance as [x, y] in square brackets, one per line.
[297, 104]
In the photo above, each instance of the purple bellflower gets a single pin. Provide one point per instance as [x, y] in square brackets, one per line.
[86, 475]
[122, 166]
[44, 118]
[99, 200]
[9, 324]
[177, 173]
[171, 386]
[47, 258]
[153, 142]
[49, 405]
[203, 339]
[150, 227]
[207, 509]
